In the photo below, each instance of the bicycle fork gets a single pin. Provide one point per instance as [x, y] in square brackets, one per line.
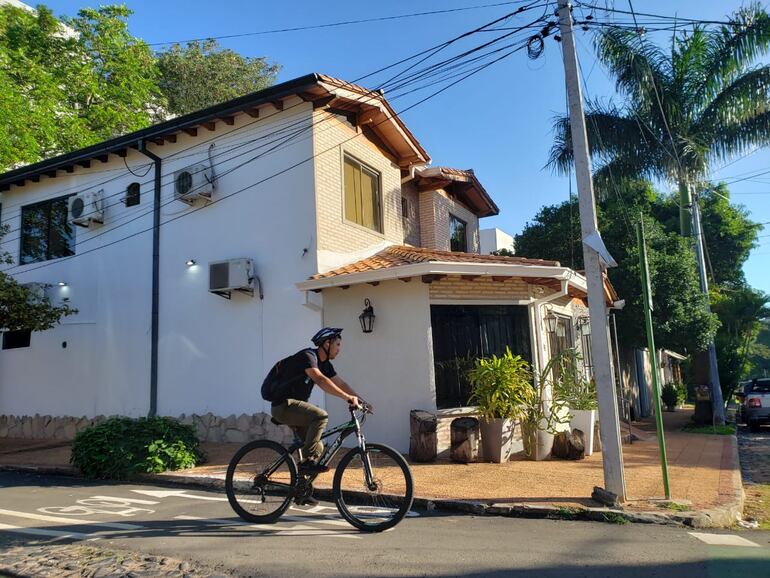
[368, 475]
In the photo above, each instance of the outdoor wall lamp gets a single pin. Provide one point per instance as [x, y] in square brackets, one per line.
[367, 317]
[551, 321]
[62, 283]
[584, 325]
[190, 262]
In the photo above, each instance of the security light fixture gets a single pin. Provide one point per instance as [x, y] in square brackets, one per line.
[191, 262]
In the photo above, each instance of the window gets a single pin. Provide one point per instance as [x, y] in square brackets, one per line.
[457, 234]
[362, 195]
[561, 340]
[16, 339]
[45, 232]
[132, 195]
[405, 210]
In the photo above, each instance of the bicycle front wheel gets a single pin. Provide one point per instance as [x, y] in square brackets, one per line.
[260, 481]
[377, 502]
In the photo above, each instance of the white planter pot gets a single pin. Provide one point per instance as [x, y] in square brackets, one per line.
[584, 419]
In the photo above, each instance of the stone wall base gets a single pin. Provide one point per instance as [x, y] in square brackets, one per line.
[209, 427]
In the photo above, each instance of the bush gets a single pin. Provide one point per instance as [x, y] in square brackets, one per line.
[122, 447]
[673, 394]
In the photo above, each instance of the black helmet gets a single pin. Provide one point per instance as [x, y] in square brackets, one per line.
[325, 334]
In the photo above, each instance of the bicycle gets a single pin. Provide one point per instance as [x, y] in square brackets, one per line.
[372, 487]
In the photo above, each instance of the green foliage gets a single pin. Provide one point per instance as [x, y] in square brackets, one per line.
[122, 447]
[65, 89]
[720, 430]
[203, 74]
[673, 394]
[502, 386]
[615, 518]
[503, 253]
[681, 319]
[571, 385]
[760, 351]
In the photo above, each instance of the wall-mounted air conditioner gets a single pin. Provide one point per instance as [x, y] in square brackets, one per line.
[193, 182]
[232, 275]
[87, 208]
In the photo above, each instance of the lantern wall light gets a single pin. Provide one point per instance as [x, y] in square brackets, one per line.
[551, 321]
[367, 317]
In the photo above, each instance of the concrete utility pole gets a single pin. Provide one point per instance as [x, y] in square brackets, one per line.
[612, 455]
[718, 404]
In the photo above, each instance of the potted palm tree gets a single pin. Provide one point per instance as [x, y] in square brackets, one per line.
[578, 393]
[501, 390]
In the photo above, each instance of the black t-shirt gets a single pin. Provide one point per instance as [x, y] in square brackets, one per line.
[298, 384]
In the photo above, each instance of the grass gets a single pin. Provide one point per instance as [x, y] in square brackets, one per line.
[677, 507]
[757, 505]
[720, 430]
[614, 518]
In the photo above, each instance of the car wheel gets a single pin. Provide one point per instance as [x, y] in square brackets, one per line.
[753, 426]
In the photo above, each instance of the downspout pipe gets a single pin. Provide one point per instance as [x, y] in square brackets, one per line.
[536, 308]
[155, 279]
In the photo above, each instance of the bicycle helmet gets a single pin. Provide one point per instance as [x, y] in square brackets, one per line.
[325, 334]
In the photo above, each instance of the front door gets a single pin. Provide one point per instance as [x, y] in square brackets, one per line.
[462, 333]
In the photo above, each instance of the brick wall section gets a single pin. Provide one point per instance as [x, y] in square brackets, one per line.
[412, 220]
[332, 138]
[455, 287]
[435, 207]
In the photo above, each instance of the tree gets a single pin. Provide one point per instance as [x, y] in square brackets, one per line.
[203, 74]
[19, 308]
[681, 319]
[760, 351]
[65, 89]
[702, 102]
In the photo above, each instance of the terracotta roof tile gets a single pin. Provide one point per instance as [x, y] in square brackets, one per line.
[399, 255]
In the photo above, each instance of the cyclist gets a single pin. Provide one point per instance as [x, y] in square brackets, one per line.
[299, 373]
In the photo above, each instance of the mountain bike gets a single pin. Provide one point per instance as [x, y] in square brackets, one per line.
[372, 487]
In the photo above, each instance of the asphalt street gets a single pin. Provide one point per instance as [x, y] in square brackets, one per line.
[198, 525]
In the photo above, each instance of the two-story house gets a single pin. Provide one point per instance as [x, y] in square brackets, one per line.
[201, 250]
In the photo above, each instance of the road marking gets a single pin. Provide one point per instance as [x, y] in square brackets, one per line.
[177, 494]
[126, 501]
[295, 530]
[724, 540]
[51, 533]
[63, 520]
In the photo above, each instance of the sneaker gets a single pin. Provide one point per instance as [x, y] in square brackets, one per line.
[311, 467]
[307, 501]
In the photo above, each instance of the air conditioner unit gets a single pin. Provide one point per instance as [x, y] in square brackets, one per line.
[231, 275]
[86, 208]
[193, 182]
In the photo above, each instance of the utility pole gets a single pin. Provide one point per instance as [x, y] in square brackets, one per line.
[612, 455]
[718, 404]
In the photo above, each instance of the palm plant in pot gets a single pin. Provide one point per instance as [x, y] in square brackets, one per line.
[501, 390]
[578, 393]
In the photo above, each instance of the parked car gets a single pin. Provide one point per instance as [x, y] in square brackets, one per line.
[755, 403]
[740, 394]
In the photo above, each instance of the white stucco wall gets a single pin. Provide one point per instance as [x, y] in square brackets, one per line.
[392, 367]
[213, 353]
[493, 240]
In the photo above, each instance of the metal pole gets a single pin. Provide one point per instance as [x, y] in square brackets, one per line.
[718, 404]
[609, 428]
[626, 403]
[645, 277]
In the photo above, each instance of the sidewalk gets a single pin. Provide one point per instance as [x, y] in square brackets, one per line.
[703, 470]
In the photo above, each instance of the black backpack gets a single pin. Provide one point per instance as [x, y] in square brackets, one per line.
[275, 386]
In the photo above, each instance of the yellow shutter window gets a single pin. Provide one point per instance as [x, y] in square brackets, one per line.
[362, 195]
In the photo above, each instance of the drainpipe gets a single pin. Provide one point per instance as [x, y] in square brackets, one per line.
[155, 279]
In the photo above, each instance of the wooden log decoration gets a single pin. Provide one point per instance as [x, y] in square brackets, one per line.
[465, 435]
[569, 446]
[423, 442]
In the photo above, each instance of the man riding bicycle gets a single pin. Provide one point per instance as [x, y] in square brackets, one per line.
[295, 377]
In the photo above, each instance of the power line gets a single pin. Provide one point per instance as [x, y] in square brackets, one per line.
[342, 23]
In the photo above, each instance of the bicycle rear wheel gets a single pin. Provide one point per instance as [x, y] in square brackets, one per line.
[260, 481]
[384, 503]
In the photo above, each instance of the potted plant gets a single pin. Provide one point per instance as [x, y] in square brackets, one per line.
[673, 394]
[577, 392]
[501, 390]
[541, 413]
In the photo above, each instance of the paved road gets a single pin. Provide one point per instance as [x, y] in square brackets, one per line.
[754, 450]
[197, 525]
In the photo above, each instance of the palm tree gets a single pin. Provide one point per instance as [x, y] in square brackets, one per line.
[705, 101]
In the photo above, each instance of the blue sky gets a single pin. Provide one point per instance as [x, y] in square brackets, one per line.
[498, 122]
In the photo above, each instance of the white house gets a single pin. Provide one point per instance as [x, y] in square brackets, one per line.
[323, 198]
[495, 239]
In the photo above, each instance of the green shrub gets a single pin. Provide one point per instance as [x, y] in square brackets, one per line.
[673, 394]
[122, 447]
